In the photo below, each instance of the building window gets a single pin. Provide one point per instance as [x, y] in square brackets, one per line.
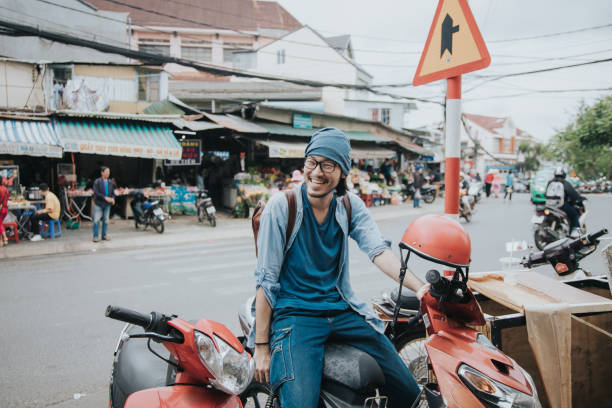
[61, 75]
[374, 114]
[280, 56]
[385, 115]
[195, 53]
[160, 47]
[148, 86]
[230, 48]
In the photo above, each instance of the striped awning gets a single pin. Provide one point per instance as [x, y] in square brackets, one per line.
[119, 139]
[30, 138]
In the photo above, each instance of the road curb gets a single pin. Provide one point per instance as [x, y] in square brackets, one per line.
[180, 234]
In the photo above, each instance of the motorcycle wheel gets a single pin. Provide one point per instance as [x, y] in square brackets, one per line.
[412, 351]
[157, 224]
[256, 396]
[212, 220]
[467, 216]
[200, 215]
[429, 197]
[540, 237]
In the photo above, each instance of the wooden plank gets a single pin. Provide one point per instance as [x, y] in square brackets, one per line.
[515, 290]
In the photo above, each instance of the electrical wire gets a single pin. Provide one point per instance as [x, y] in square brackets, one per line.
[541, 91]
[534, 37]
[213, 69]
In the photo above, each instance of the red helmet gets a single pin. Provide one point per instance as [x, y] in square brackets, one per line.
[439, 239]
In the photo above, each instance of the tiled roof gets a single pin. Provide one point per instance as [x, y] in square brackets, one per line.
[246, 15]
[488, 122]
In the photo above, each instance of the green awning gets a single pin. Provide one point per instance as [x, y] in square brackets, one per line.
[117, 138]
[286, 130]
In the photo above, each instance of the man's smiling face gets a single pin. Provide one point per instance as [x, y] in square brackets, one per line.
[319, 183]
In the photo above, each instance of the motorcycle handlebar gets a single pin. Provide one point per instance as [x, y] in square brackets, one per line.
[129, 316]
[577, 244]
[592, 237]
[438, 284]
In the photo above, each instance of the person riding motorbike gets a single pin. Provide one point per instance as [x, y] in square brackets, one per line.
[303, 293]
[560, 193]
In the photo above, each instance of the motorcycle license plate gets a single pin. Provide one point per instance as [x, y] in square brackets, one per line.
[210, 210]
[158, 212]
[537, 219]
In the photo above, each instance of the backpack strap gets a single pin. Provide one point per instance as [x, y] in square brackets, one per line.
[346, 201]
[291, 201]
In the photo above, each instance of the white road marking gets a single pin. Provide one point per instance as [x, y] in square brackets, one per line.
[206, 268]
[132, 288]
[169, 257]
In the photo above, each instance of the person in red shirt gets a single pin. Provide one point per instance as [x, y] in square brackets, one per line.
[488, 183]
[4, 196]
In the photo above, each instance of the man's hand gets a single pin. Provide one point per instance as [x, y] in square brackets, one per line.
[422, 291]
[262, 363]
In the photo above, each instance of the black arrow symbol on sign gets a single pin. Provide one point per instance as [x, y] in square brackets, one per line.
[447, 34]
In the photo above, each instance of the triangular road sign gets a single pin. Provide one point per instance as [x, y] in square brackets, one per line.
[454, 45]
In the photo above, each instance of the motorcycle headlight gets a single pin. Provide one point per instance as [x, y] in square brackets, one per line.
[233, 371]
[496, 393]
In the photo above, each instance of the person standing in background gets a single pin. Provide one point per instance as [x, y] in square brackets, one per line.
[4, 196]
[419, 179]
[509, 185]
[104, 198]
[488, 183]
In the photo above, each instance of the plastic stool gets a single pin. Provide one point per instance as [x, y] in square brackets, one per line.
[49, 230]
[12, 225]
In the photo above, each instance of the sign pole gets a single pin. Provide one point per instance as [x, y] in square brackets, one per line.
[452, 130]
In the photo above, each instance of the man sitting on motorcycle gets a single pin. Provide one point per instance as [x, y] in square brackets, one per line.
[560, 193]
[304, 298]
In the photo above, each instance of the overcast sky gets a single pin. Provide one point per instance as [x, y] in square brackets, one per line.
[388, 36]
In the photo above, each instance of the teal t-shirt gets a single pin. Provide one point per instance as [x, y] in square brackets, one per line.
[310, 271]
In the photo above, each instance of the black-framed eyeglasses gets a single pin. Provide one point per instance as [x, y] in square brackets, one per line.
[326, 166]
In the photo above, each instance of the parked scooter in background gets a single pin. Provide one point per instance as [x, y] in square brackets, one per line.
[465, 205]
[204, 364]
[147, 212]
[428, 192]
[565, 254]
[551, 224]
[475, 190]
[206, 209]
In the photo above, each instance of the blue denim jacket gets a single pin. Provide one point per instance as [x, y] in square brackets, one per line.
[272, 249]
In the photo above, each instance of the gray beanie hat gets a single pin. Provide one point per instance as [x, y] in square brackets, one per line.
[333, 144]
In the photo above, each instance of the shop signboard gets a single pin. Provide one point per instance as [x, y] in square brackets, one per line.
[11, 176]
[302, 121]
[286, 152]
[191, 153]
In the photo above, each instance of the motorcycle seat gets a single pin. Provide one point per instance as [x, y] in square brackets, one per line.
[351, 368]
[408, 300]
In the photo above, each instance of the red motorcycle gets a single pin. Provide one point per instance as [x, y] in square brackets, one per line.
[204, 365]
[469, 370]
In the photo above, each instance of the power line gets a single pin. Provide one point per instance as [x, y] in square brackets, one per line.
[534, 37]
[538, 91]
[19, 29]
[514, 74]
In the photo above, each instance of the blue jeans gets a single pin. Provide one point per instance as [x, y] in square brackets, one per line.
[572, 214]
[296, 365]
[100, 214]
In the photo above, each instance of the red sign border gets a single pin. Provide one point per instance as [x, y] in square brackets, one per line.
[460, 69]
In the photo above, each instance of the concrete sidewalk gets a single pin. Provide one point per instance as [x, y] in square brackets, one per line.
[179, 230]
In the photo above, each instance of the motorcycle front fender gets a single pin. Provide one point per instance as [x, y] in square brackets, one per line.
[182, 396]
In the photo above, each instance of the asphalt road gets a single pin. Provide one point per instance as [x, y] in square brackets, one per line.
[57, 346]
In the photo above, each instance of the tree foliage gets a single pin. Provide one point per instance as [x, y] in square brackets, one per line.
[586, 143]
[532, 152]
